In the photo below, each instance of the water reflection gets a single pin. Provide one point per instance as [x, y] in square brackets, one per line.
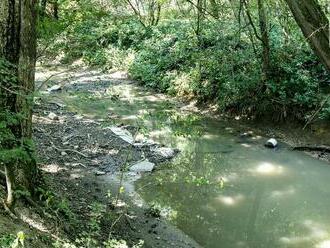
[230, 200]
[224, 193]
[268, 169]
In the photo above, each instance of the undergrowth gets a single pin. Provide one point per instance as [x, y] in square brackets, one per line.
[219, 67]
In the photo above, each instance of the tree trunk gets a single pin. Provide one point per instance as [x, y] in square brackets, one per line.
[18, 53]
[314, 25]
[264, 40]
[55, 9]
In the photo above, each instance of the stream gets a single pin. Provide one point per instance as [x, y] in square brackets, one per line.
[225, 191]
[222, 189]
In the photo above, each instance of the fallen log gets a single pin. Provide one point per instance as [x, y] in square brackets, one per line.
[318, 148]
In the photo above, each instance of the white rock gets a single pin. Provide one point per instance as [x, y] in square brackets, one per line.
[63, 153]
[99, 173]
[142, 166]
[53, 116]
[56, 87]
[123, 134]
[165, 152]
[271, 143]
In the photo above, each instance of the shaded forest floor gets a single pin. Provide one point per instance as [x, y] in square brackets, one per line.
[81, 160]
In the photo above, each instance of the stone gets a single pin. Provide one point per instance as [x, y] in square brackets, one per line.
[142, 166]
[59, 104]
[123, 134]
[165, 152]
[248, 134]
[271, 143]
[99, 173]
[54, 88]
[53, 116]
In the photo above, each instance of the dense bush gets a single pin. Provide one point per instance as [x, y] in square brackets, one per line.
[219, 66]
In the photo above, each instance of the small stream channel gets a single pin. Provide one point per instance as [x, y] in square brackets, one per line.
[222, 190]
[225, 191]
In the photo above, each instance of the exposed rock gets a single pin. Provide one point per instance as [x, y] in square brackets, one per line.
[248, 134]
[271, 143]
[123, 134]
[142, 166]
[59, 104]
[99, 173]
[145, 144]
[165, 152]
[53, 116]
[54, 88]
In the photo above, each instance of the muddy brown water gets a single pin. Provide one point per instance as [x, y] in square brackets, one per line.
[222, 190]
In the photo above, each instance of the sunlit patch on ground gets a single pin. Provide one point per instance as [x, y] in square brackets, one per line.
[77, 173]
[119, 75]
[37, 224]
[258, 137]
[52, 168]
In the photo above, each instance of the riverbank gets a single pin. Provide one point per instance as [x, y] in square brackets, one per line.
[81, 158]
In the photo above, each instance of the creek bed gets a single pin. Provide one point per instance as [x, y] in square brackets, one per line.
[222, 190]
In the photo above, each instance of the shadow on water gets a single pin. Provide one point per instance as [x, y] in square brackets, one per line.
[222, 190]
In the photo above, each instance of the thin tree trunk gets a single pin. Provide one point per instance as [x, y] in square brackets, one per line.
[55, 9]
[199, 18]
[315, 26]
[264, 39]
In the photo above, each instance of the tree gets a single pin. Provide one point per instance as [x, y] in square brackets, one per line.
[264, 39]
[315, 26]
[55, 9]
[17, 67]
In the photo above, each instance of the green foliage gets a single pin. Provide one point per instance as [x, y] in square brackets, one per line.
[221, 65]
[13, 149]
[325, 112]
[12, 241]
[219, 68]
[55, 203]
[6, 241]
